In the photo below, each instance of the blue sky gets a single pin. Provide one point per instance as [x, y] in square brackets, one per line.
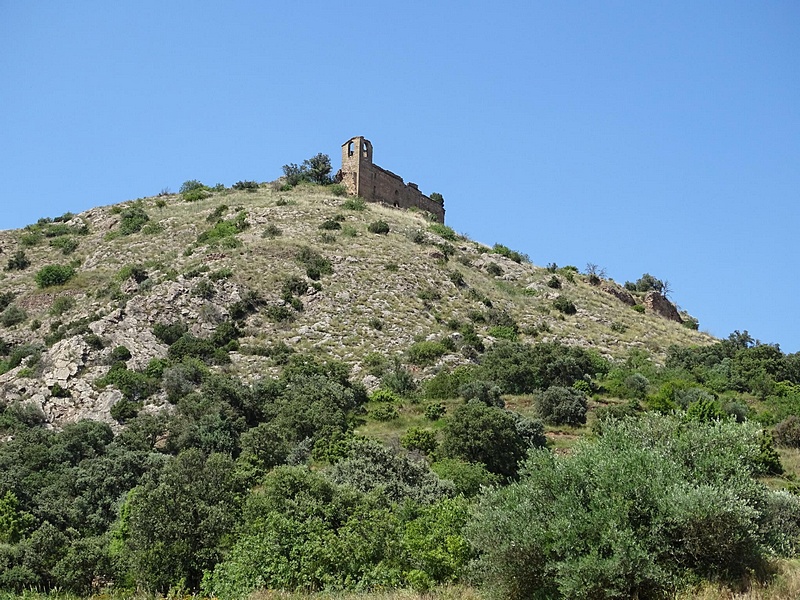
[659, 137]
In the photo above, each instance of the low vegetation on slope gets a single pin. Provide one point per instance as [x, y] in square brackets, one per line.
[290, 390]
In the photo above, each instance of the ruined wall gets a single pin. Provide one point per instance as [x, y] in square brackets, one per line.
[363, 178]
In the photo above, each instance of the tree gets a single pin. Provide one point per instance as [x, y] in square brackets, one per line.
[485, 434]
[562, 406]
[318, 168]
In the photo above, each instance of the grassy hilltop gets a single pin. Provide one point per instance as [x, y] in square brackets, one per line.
[282, 391]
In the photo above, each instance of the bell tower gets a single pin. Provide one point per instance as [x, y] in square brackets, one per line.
[356, 161]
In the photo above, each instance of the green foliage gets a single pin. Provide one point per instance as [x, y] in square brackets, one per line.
[316, 265]
[399, 380]
[13, 315]
[443, 231]
[52, 275]
[61, 305]
[483, 391]
[564, 305]
[224, 230]
[519, 368]
[132, 219]
[417, 438]
[483, 434]
[18, 261]
[426, 353]
[646, 283]
[494, 269]
[384, 412]
[435, 411]
[654, 516]
[337, 189]
[178, 520]
[330, 225]
[437, 197]
[67, 245]
[169, 333]
[638, 308]
[133, 385]
[120, 353]
[357, 204]
[554, 282]
[469, 478]
[517, 257]
[562, 406]
[247, 186]
[380, 227]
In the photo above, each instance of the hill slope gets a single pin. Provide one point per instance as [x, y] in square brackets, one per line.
[299, 268]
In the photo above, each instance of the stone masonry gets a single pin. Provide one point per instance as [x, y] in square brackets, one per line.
[363, 178]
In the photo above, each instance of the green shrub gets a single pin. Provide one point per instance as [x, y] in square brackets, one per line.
[554, 282]
[53, 275]
[485, 392]
[120, 353]
[316, 265]
[417, 438]
[564, 305]
[484, 434]
[169, 333]
[399, 380]
[67, 245]
[503, 332]
[435, 411]
[787, 432]
[18, 262]
[271, 231]
[626, 516]
[517, 257]
[469, 478]
[13, 315]
[357, 204]
[133, 385]
[248, 186]
[330, 225]
[61, 305]
[638, 308]
[384, 412]
[562, 406]
[443, 231]
[278, 313]
[337, 189]
[379, 227]
[494, 269]
[426, 353]
[132, 219]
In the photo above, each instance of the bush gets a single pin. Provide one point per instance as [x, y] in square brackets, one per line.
[379, 227]
[483, 434]
[61, 305]
[67, 245]
[435, 411]
[357, 204]
[330, 225]
[399, 380]
[787, 432]
[483, 391]
[271, 231]
[626, 516]
[248, 186]
[120, 353]
[132, 219]
[337, 189]
[564, 305]
[53, 275]
[494, 269]
[13, 315]
[517, 257]
[426, 353]
[169, 333]
[420, 439]
[316, 265]
[18, 262]
[384, 412]
[638, 308]
[562, 406]
[443, 231]
[554, 283]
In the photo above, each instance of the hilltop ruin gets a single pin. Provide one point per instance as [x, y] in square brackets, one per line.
[363, 178]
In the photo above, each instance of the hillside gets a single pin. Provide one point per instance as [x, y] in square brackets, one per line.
[297, 267]
[270, 388]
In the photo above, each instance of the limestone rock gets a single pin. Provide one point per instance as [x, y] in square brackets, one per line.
[656, 303]
[618, 292]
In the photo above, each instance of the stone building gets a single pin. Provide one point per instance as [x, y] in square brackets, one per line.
[363, 178]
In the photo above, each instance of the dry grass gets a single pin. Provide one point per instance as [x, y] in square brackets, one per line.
[446, 593]
[784, 585]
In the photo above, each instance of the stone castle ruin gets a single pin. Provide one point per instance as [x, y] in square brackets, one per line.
[363, 178]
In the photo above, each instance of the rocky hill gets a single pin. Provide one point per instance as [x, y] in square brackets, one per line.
[293, 270]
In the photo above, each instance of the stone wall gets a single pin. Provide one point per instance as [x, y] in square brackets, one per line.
[363, 178]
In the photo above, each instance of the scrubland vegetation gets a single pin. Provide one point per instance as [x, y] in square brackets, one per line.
[487, 458]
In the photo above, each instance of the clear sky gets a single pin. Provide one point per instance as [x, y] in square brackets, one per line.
[659, 137]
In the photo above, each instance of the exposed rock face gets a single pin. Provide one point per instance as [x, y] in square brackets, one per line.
[656, 303]
[618, 292]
